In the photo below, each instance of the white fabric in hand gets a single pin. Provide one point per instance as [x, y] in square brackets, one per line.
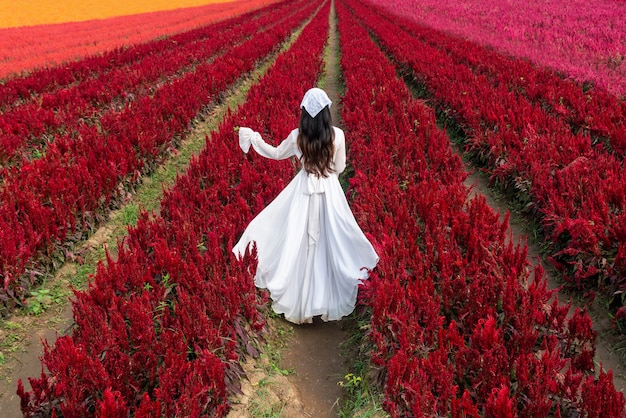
[245, 138]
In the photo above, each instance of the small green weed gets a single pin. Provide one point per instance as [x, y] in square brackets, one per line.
[261, 406]
[43, 298]
[10, 344]
[129, 214]
[38, 302]
[359, 400]
[362, 397]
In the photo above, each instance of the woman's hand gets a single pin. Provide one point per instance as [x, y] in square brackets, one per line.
[245, 138]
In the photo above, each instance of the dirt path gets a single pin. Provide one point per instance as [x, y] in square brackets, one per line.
[315, 349]
[315, 355]
[26, 363]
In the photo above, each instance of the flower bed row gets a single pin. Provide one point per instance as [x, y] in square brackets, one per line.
[161, 330]
[21, 48]
[585, 41]
[575, 190]
[585, 110]
[31, 126]
[78, 179]
[461, 324]
[30, 87]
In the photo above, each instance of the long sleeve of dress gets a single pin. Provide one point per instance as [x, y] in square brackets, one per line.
[287, 148]
[340, 151]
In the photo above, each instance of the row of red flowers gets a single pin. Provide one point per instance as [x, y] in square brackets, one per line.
[46, 80]
[461, 324]
[161, 330]
[46, 200]
[29, 125]
[574, 188]
[584, 109]
[22, 49]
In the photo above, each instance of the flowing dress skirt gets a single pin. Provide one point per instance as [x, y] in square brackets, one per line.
[311, 252]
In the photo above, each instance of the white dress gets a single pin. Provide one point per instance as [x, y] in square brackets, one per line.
[311, 252]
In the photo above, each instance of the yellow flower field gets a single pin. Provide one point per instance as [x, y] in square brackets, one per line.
[14, 13]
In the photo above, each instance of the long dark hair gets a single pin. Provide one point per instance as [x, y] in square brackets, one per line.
[316, 141]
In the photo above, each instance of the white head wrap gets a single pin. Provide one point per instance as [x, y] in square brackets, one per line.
[314, 101]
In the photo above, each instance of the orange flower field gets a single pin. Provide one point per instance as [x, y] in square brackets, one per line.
[42, 12]
[89, 27]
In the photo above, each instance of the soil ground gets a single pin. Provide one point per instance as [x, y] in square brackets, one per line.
[315, 354]
[312, 360]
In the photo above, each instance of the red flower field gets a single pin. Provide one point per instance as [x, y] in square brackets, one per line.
[459, 321]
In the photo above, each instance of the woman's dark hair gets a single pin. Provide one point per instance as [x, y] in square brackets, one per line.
[315, 140]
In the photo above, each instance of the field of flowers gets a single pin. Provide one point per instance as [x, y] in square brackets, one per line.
[569, 181]
[24, 49]
[56, 102]
[461, 323]
[583, 40]
[98, 145]
[160, 332]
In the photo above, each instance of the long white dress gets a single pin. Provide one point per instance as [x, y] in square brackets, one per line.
[311, 252]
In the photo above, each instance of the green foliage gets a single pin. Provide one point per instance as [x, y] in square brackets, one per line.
[360, 400]
[41, 299]
[261, 406]
[129, 214]
[363, 398]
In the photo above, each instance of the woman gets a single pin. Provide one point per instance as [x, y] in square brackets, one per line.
[311, 252]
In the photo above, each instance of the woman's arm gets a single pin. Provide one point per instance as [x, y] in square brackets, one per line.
[340, 152]
[249, 137]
